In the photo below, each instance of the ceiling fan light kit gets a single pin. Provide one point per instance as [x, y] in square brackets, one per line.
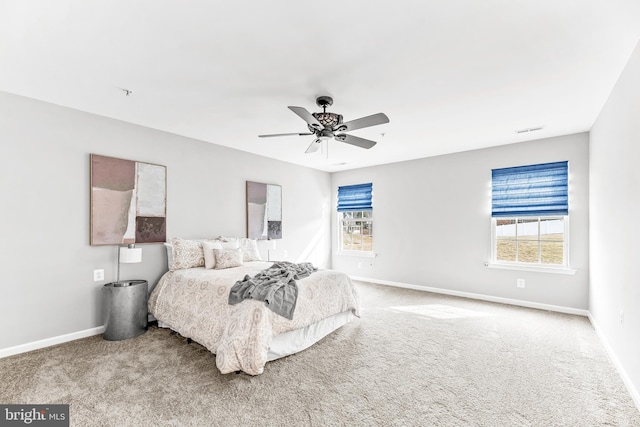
[325, 125]
[328, 120]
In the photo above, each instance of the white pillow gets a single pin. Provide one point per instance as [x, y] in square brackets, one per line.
[228, 242]
[209, 257]
[227, 258]
[250, 250]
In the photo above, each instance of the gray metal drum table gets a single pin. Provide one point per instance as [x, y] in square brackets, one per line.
[125, 307]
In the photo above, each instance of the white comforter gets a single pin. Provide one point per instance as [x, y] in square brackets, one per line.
[194, 303]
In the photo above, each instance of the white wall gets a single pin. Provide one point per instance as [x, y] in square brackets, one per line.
[614, 209]
[432, 224]
[46, 280]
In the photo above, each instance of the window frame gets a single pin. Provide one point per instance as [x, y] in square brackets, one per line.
[530, 191]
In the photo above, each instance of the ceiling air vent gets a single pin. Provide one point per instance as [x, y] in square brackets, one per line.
[529, 129]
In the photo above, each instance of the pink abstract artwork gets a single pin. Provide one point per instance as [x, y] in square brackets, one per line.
[128, 201]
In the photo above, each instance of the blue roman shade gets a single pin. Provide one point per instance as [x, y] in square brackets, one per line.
[535, 190]
[355, 197]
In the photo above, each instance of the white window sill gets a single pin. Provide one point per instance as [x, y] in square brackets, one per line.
[361, 254]
[536, 268]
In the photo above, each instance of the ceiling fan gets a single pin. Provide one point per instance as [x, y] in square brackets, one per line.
[329, 125]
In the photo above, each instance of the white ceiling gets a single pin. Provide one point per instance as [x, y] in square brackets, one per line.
[452, 75]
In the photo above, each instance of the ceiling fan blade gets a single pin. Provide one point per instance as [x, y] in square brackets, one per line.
[284, 134]
[355, 140]
[363, 122]
[306, 116]
[315, 145]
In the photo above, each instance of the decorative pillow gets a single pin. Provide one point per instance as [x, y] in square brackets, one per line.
[186, 254]
[227, 258]
[250, 250]
[209, 257]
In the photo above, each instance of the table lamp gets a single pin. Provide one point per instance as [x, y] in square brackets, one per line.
[128, 255]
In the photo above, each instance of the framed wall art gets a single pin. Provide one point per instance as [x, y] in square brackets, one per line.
[264, 211]
[128, 201]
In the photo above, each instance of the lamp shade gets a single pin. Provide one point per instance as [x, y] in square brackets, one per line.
[130, 255]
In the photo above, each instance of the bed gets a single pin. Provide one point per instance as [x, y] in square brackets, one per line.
[194, 303]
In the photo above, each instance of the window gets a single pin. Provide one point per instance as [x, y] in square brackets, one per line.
[530, 215]
[355, 217]
[537, 240]
[356, 231]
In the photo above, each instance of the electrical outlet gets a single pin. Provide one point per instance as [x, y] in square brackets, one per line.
[520, 283]
[98, 275]
[284, 254]
[359, 265]
[622, 317]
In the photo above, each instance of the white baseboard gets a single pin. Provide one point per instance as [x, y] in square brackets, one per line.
[549, 307]
[23, 348]
[635, 394]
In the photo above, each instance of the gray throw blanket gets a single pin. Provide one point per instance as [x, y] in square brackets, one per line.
[276, 286]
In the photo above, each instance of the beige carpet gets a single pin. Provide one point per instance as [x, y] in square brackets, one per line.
[414, 358]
